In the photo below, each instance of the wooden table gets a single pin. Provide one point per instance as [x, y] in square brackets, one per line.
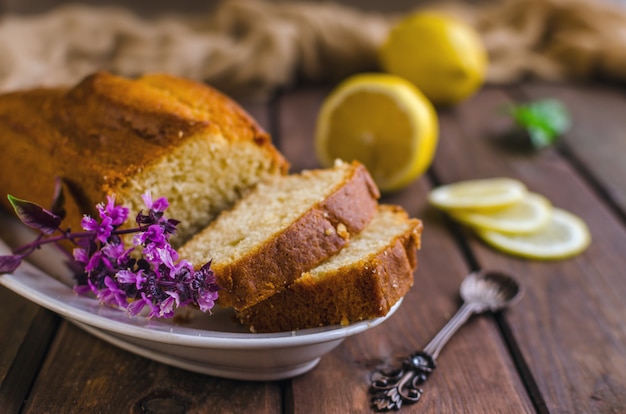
[561, 349]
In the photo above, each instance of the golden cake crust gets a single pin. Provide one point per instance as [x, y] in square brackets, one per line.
[107, 129]
[364, 290]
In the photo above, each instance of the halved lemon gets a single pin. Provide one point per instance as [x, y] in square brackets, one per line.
[383, 121]
[480, 195]
[528, 215]
[564, 235]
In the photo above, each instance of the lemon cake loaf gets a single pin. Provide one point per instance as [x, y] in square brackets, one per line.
[283, 227]
[111, 135]
[363, 281]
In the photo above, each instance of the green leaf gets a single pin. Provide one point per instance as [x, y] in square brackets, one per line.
[544, 120]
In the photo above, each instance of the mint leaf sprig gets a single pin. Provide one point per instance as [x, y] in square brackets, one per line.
[149, 273]
[544, 121]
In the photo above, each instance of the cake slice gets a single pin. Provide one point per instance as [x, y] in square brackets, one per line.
[285, 226]
[363, 281]
[110, 135]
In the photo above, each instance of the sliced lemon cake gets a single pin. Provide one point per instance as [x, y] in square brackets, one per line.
[364, 280]
[283, 227]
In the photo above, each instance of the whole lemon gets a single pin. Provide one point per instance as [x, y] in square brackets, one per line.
[442, 55]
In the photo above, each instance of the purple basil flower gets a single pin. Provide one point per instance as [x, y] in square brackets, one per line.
[160, 205]
[117, 214]
[167, 256]
[136, 306]
[205, 288]
[116, 253]
[103, 230]
[154, 309]
[174, 295]
[95, 261]
[94, 289]
[81, 255]
[167, 306]
[112, 294]
[169, 226]
[154, 234]
[149, 273]
[206, 301]
[129, 277]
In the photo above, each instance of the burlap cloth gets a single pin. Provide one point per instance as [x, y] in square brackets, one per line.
[252, 47]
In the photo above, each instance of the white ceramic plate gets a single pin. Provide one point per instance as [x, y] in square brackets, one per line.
[210, 344]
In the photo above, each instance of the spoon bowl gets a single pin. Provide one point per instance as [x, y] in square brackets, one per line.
[490, 290]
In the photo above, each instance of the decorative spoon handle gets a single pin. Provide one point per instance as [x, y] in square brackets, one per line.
[391, 389]
[435, 346]
[481, 291]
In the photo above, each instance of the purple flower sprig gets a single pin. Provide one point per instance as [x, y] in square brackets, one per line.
[147, 274]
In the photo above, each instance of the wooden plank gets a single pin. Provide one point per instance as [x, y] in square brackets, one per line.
[297, 115]
[474, 372]
[16, 316]
[259, 111]
[596, 138]
[570, 326]
[85, 374]
[27, 331]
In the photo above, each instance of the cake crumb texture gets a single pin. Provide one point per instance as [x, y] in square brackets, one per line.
[363, 281]
[282, 228]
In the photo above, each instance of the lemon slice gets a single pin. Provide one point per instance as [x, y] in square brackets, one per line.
[481, 195]
[383, 121]
[526, 216]
[565, 235]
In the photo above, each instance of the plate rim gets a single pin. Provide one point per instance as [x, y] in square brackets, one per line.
[232, 372]
[153, 329]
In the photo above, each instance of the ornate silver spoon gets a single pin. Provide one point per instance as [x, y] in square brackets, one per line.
[481, 291]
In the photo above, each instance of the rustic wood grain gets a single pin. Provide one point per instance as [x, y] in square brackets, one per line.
[297, 115]
[15, 319]
[26, 331]
[570, 327]
[474, 370]
[84, 374]
[260, 111]
[596, 138]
